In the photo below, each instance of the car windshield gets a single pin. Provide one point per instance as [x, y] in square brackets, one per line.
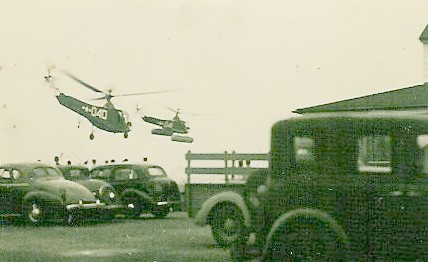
[76, 173]
[156, 171]
[46, 172]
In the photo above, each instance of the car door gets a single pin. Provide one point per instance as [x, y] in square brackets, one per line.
[6, 203]
[12, 189]
[124, 178]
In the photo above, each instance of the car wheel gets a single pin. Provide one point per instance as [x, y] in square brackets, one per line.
[308, 240]
[35, 212]
[134, 205]
[160, 212]
[227, 225]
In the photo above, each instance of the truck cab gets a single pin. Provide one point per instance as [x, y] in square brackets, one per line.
[344, 186]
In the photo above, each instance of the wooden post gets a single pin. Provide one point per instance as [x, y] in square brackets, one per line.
[233, 165]
[226, 178]
[188, 194]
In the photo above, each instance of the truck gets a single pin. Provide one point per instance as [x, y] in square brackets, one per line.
[217, 195]
[347, 181]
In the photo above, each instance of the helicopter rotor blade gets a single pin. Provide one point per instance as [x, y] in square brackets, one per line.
[98, 98]
[173, 110]
[83, 83]
[148, 93]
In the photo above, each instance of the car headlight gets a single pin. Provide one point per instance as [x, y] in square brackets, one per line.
[107, 194]
[112, 195]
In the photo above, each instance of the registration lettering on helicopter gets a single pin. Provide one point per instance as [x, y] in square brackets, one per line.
[96, 112]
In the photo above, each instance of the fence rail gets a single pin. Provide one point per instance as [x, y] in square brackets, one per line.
[236, 167]
[234, 164]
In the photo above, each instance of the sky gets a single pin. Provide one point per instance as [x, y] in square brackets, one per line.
[240, 67]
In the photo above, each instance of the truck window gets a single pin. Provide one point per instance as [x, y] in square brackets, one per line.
[422, 142]
[304, 154]
[374, 154]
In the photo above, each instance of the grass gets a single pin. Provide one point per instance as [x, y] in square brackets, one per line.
[174, 238]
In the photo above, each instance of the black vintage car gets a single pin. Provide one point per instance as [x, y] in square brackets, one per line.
[99, 188]
[142, 188]
[38, 192]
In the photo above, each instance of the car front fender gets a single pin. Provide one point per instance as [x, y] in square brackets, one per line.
[46, 197]
[229, 197]
[287, 218]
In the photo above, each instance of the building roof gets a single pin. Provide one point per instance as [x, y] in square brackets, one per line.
[415, 97]
[424, 36]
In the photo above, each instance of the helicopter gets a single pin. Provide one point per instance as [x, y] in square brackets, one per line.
[169, 127]
[106, 117]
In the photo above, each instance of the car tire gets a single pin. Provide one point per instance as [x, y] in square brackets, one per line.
[134, 207]
[161, 212]
[35, 212]
[227, 225]
[306, 240]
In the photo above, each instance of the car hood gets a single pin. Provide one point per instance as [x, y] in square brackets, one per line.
[92, 184]
[70, 191]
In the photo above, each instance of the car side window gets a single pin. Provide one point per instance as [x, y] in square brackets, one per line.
[16, 174]
[5, 174]
[125, 174]
[374, 154]
[8, 175]
[101, 173]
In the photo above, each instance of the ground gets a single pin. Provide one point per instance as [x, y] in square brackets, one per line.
[174, 238]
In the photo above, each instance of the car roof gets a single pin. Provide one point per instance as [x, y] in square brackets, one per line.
[25, 166]
[126, 165]
[71, 166]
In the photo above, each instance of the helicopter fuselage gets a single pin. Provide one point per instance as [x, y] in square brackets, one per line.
[107, 118]
[175, 126]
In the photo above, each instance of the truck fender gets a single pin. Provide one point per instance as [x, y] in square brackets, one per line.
[46, 197]
[282, 221]
[140, 194]
[231, 197]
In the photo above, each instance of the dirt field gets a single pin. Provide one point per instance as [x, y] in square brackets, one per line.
[174, 238]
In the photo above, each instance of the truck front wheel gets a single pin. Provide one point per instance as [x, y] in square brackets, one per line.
[305, 239]
[227, 225]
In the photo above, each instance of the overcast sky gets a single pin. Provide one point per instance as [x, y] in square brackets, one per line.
[246, 64]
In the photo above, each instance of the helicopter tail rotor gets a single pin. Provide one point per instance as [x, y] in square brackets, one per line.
[49, 78]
